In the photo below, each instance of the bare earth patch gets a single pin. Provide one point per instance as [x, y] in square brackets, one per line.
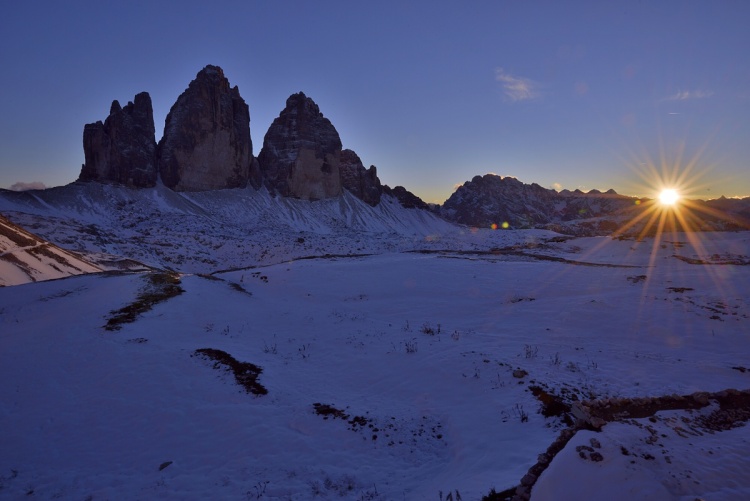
[159, 288]
[245, 373]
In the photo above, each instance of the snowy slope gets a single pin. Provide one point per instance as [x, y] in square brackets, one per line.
[203, 232]
[417, 350]
[24, 257]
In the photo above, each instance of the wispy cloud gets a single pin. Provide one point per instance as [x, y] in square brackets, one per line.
[21, 186]
[516, 88]
[686, 95]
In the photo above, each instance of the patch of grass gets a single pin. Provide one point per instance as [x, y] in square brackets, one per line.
[272, 348]
[428, 329]
[555, 360]
[519, 299]
[530, 351]
[245, 373]
[327, 411]
[304, 351]
[239, 288]
[505, 495]
[411, 346]
[355, 423]
[450, 496]
[159, 288]
[521, 414]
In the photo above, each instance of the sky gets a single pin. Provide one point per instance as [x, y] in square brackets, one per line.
[569, 95]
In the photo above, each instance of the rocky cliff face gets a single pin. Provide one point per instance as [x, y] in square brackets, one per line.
[301, 153]
[206, 143]
[362, 183]
[122, 149]
[206, 146]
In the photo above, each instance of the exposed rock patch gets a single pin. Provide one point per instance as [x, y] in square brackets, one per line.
[206, 143]
[122, 149]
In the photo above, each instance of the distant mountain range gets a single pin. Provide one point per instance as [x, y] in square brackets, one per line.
[493, 200]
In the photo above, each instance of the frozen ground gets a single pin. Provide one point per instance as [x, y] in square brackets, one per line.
[410, 357]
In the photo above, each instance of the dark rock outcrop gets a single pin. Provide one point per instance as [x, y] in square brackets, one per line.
[301, 152]
[362, 183]
[206, 143]
[406, 198]
[122, 149]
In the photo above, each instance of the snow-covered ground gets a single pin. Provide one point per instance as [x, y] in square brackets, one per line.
[207, 231]
[410, 356]
[24, 257]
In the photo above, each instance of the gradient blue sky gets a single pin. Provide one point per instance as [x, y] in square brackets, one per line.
[564, 94]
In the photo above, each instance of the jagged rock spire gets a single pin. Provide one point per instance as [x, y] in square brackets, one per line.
[301, 152]
[122, 149]
[206, 143]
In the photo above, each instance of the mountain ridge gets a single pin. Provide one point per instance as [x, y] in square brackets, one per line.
[490, 200]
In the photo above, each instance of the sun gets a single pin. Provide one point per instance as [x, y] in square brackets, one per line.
[669, 197]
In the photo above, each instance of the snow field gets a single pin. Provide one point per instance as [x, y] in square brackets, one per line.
[89, 412]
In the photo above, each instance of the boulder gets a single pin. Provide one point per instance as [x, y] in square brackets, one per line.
[122, 149]
[206, 143]
[301, 152]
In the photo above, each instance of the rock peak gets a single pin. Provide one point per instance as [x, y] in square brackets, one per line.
[206, 143]
[210, 69]
[301, 152]
[300, 103]
[122, 149]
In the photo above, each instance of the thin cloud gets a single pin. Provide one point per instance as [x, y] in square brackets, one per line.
[516, 88]
[21, 186]
[687, 95]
